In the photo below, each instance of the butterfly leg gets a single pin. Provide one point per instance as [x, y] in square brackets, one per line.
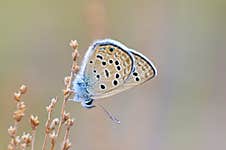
[87, 103]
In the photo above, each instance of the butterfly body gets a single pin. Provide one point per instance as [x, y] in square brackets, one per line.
[108, 68]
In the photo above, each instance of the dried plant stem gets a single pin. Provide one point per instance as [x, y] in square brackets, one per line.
[48, 121]
[66, 143]
[68, 91]
[62, 114]
[34, 124]
[18, 114]
[44, 142]
[48, 128]
[66, 136]
[52, 145]
[14, 137]
[66, 97]
[54, 127]
[33, 139]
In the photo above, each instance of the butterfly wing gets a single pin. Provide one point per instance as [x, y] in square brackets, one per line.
[144, 71]
[107, 66]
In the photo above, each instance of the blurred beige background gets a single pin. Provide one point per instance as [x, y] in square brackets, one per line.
[183, 108]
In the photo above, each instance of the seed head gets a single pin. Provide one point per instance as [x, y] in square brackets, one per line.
[51, 105]
[23, 89]
[69, 122]
[75, 68]
[34, 122]
[17, 140]
[18, 115]
[66, 116]
[74, 44]
[17, 96]
[12, 131]
[54, 123]
[67, 80]
[27, 138]
[21, 106]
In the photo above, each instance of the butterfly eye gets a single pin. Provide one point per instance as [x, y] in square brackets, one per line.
[111, 49]
[91, 61]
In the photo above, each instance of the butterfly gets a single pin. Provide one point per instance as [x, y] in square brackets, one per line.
[108, 68]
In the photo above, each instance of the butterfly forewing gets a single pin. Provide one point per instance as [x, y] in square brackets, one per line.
[107, 68]
[144, 71]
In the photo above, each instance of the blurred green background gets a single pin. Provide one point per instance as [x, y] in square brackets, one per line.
[184, 107]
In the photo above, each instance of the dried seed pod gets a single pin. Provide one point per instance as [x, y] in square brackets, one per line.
[54, 123]
[12, 131]
[69, 122]
[21, 106]
[27, 138]
[74, 44]
[17, 140]
[66, 116]
[17, 96]
[67, 80]
[23, 89]
[18, 115]
[51, 105]
[34, 122]
[53, 101]
[75, 68]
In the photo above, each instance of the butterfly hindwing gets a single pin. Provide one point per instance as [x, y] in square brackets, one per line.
[107, 66]
[144, 70]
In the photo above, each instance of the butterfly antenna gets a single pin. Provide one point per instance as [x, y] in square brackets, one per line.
[113, 118]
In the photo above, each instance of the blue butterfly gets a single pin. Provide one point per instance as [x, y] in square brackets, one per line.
[108, 68]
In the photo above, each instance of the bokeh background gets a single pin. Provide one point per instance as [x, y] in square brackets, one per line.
[184, 107]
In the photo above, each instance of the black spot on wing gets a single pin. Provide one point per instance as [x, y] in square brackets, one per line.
[102, 86]
[100, 57]
[115, 82]
[106, 73]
